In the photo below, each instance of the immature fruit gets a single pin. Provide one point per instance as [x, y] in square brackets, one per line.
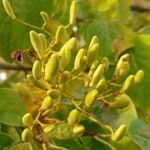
[42, 84]
[105, 62]
[90, 98]
[64, 77]
[120, 102]
[93, 68]
[27, 135]
[37, 70]
[53, 93]
[73, 12]
[73, 117]
[78, 58]
[44, 41]
[78, 130]
[47, 102]
[60, 31]
[94, 41]
[139, 76]
[102, 85]
[65, 52]
[98, 74]
[36, 43]
[123, 58]
[8, 9]
[27, 120]
[119, 133]
[123, 69]
[92, 54]
[129, 82]
[52, 67]
[45, 16]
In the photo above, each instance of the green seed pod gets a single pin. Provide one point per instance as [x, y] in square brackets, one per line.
[65, 58]
[83, 61]
[23, 90]
[42, 84]
[129, 82]
[73, 12]
[93, 68]
[78, 130]
[52, 67]
[36, 43]
[78, 58]
[27, 135]
[53, 93]
[92, 54]
[37, 70]
[8, 9]
[98, 74]
[105, 62]
[94, 41]
[44, 41]
[120, 102]
[27, 120]
[90, 98]
[49, 128]
[66, 51]
[73, 117]
[102, 85]
[71, 44]
[119, 133]
[45, 16]
[47, 102]
[123, 58]
[65, 76]
[122, 70]
[59, 34]
[139, 76]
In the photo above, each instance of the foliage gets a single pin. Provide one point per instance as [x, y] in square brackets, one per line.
[78, 75]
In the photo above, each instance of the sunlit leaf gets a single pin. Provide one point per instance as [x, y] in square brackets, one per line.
[11, 107]
[139, 132]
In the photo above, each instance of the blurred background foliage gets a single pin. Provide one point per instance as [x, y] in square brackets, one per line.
[122, 26]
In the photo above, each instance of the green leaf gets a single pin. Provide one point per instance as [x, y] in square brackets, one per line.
[92, 144]
[124, 142]
[22, 146]
[139, 132]
[5, 140]
[75, 88]
[115, 118]
[100, 28]
[71, 144]
[14, 36]
[140, 56]
[11, 131]
[11, 107]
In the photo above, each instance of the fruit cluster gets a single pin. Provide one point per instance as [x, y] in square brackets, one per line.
[74, 78]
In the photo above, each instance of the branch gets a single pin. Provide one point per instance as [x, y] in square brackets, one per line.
[13, 67]
[139, 9]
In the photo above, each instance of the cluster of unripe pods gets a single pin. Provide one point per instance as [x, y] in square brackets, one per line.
[50, 74]
[53, 72]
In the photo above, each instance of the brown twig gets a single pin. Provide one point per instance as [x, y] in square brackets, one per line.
[14, 67]
[139, 9]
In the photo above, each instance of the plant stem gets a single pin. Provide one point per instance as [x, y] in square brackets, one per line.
[34, 27]
[13, 67]
[101, 124]
[57, 147]
[114, 84]
[104, 142]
